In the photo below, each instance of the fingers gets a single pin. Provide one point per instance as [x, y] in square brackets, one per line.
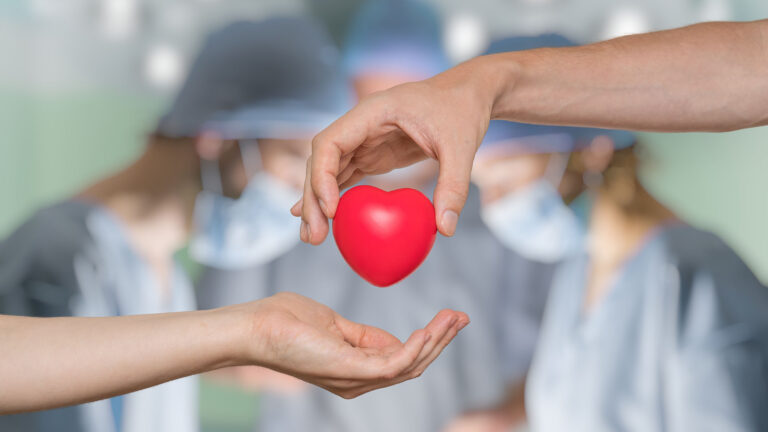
[314, 224]
[366, 372]
[331, 153]
[326, 160]
[346, 174]
[296, 209]
[452, 187]
[363, 336]
[402, 359]
[331, 150]
[353, 179]
[421, 349]
[428, 356]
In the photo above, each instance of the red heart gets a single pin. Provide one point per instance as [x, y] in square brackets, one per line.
[382, 235]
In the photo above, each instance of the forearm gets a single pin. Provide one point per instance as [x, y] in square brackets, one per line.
[705, 77]
[51, 362]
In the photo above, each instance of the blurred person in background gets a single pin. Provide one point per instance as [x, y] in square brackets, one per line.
[388, 43]
[109, 250]
[651, 324]
[656, 325]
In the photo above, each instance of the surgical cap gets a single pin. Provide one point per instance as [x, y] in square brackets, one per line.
[401, 37]
[512, 137]
[278, 78]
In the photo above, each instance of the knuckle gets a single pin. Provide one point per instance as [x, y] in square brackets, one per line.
[317, 141]
[286, 295]
[456, 189]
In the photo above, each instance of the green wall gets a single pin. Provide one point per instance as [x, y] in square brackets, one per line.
[718, 182]
[51, 145]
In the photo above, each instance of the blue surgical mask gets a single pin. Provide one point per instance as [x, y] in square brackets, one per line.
[535, 222]
[251, 230]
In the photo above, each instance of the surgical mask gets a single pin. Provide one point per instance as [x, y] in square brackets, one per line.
[534, 221]
[251, 230]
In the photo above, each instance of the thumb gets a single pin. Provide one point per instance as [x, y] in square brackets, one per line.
[452, 188]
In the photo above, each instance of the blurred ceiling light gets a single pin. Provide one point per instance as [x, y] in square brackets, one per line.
[465, 37]
[624, 21]
[164, 66]
[119, 18]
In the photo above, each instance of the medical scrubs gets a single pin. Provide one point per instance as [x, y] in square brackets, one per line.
[679, 342]
[74, 258]
[470, 272]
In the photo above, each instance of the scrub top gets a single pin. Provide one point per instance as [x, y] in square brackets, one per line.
[73, 258]
[470, 272]
[678, 343]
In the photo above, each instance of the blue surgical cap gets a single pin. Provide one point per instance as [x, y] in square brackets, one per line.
[513, 137]
[401, 37]
[278, 78]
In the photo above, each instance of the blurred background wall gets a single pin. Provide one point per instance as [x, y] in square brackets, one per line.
[83, 81]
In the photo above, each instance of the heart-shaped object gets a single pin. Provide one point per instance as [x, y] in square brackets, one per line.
[384, 236]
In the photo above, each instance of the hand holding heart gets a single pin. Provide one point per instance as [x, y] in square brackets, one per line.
[443, 118]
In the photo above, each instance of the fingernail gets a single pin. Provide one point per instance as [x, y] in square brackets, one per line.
[463, 324]
[303, 231]
[309, 233]
[323, 207]
[448, 222]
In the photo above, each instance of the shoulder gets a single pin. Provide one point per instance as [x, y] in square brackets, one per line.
[40, 252]
[714, 296]
[698, 249]
[715, 333]
[701, 256]
[51, 230]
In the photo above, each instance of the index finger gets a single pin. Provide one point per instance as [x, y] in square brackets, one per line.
[339, 139]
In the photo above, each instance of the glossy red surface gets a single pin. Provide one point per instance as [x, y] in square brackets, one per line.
[384, 236]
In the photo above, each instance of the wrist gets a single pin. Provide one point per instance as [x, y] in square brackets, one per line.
[501, 73]
[233, 333]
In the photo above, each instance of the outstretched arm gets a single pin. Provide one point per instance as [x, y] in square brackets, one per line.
[706, 77]
[51, 362]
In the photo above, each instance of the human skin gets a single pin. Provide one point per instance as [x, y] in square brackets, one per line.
[705, 77]
[52, 362]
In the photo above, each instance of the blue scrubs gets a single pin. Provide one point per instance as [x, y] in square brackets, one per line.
[73, 258]
[678, 343]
